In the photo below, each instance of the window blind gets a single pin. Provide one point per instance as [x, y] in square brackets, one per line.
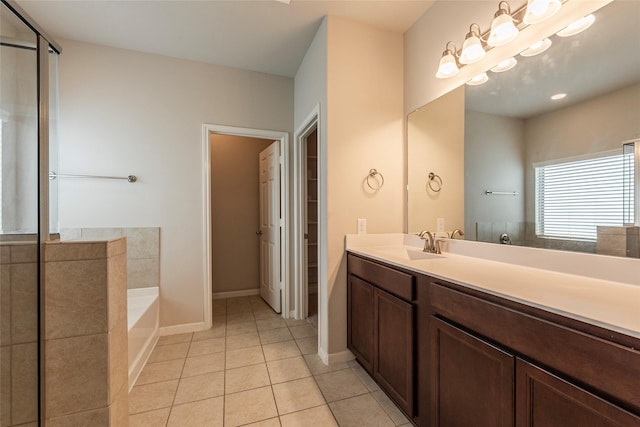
[575, 197]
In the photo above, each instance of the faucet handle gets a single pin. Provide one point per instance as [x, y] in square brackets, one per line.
[436, 246]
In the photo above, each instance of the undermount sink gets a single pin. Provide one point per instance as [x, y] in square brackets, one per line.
[408, 254]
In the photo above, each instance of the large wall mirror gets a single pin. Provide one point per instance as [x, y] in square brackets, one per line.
[526, 159]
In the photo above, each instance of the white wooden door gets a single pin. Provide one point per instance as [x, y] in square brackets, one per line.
[270, 226]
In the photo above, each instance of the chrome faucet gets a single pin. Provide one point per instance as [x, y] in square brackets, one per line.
[429, 245]
[458, 232]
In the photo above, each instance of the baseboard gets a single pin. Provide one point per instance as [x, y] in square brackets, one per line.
[233, 294]
[136, 369]
[332, 358]
[182, 329]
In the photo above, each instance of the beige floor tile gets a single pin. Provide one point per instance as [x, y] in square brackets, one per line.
[303, 331]
[240, 328]
[308, 345]
[297, 395]
[242, 316]
[152, 396]
[246, 378]
[339, 385]
[200, 387]
[360, 411]
[219, 320]
[366, 379]
[283, 370]
[266, 314]
[160, 371]
[280, 350]
[295, 322]
[216, 331]
[271, 422]
[199, 365]
[249, 406]
[213, 345]
[169, 352]
[275, 335]
[317, 367]
[390, 408]
[236, 342]
[318, 416]
[157, 418]
[273, 323]
[244, 357]
[205, 413]
[175, 339]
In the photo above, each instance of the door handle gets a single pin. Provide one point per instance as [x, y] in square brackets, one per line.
[259, 233]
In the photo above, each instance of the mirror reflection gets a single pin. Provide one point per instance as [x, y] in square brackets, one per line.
[541, 172]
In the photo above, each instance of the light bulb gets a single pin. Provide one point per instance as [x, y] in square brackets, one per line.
[558, 96]
[537, 48]
[505, 65]
[448, 67]
[472, 50]
[539, 10]
[577, 27]
[502, 29]
[478, 80]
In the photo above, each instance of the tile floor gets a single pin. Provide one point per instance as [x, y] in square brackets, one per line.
[253, 368]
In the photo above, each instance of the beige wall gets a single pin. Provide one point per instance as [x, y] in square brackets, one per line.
[364, 131]
[436, 144]
[235, 203]
[126, 112]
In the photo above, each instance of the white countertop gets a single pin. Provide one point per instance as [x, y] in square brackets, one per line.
[610, 304]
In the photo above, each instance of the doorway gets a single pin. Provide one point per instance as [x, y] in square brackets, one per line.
[311, 225]
[267, 137]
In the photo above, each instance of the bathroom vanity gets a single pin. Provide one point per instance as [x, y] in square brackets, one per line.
[457, 340]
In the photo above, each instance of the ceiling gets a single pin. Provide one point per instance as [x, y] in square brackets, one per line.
[602, 59]
[267, 36]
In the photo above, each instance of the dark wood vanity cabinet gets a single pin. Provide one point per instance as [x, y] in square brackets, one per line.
[451, 355]
[380, 327]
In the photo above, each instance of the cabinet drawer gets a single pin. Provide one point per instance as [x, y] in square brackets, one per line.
[393, 281]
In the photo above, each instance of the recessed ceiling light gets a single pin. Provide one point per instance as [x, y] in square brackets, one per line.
[577, 27]
[537, 48]
[505, 65]
[558, 96]
[478, 80]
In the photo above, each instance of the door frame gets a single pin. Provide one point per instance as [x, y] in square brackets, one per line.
[207, 238]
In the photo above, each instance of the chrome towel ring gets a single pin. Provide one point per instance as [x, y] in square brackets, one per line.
[373, 178]
[435, 182]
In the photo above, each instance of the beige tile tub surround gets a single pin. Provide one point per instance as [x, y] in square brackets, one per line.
[619, 241]
[143, 250]
[263, 373]
[18, 333]
[86, 333]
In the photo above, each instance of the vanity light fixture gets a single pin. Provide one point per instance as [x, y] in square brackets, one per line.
[503, 30]
[558, 96]
[448, 66]
[577, 27]
[537, 48]
[540, 10]
[478, 80]
[472, 50]
[505, 65]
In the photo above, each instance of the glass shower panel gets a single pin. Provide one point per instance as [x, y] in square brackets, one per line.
[54, 224]
[19, 274]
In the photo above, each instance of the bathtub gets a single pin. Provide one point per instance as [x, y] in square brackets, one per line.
[143, 318]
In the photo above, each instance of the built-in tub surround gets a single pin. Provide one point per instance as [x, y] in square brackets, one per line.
[19, 332]
[86, 333]
[603, 291]
[143, 320]
[143, 250]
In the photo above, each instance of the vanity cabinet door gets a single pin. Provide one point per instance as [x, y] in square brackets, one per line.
[472, 382]
[394, 348]
[360, 321]
[542, 399]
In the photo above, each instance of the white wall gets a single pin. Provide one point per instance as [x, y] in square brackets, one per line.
[125, 112]
[364, 131]
[494, 150]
